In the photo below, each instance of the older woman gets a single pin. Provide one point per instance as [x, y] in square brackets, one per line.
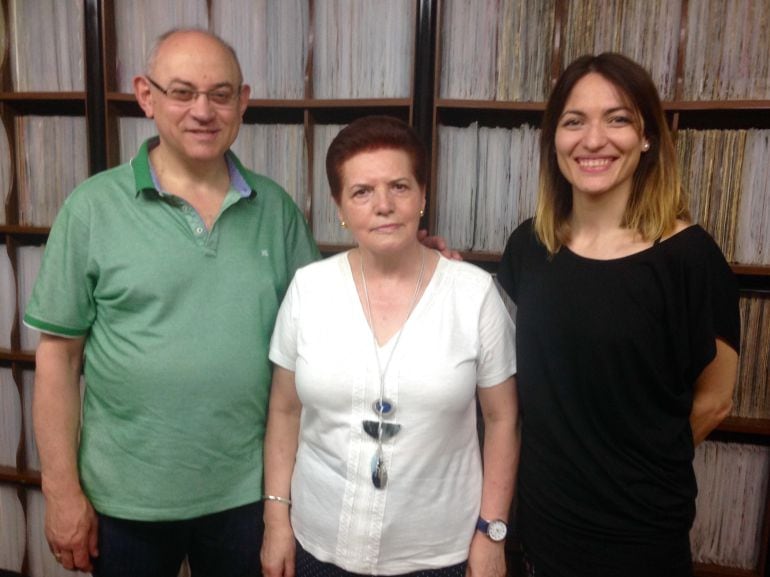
[628, 329]
[372, 459]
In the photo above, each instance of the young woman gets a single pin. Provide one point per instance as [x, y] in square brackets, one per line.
[627, 334]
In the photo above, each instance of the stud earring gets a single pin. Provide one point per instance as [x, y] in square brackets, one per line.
[422, 212]
[343, 224]
[645, 147]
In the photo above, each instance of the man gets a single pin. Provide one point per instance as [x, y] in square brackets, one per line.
[167, 273]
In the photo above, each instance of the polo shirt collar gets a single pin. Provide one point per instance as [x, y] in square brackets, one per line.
[145, 178]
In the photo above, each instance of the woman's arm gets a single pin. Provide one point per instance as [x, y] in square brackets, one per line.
[281, 439]
[713, 396]
[499, 407]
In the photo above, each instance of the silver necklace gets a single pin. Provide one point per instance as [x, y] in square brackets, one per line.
[382, 405]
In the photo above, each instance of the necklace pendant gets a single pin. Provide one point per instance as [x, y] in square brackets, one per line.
[384, 406]
[379, 472]
[378, 430]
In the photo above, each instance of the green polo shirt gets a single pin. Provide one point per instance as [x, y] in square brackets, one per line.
[177, 321]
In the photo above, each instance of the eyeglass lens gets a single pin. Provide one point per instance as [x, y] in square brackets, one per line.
[221, 97]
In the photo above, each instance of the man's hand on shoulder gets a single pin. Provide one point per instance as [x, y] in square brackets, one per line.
[437, 243]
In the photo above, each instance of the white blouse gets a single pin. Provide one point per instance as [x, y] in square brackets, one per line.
[458, 336]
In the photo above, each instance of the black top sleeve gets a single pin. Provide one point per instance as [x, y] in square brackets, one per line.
[511, 262]
[712, 302]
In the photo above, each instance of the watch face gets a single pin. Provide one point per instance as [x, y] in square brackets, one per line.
[497, 530]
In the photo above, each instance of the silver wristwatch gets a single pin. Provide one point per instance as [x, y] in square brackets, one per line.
[496, 529]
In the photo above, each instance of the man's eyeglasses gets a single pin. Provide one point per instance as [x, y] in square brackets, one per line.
[222, 96]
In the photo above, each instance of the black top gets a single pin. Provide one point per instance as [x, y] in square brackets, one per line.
[608, 352]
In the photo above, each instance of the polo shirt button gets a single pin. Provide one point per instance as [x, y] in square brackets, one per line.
[199, 230]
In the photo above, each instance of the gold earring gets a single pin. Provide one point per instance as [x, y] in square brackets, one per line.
[422, 212]
[343, 224]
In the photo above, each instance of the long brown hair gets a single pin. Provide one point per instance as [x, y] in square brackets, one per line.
[657, 199]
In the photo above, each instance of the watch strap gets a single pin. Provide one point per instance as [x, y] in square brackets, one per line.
[496, 534]
[483, 526]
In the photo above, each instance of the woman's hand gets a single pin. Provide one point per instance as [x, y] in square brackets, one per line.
[281, 439]
[486, 558]
[499, 407]
[278, 551]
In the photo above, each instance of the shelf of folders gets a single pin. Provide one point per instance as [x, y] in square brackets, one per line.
[7, 298]
[731, 504]
[58, 143]
[55, 65]
[501, 50]
[727, 175]
[375, 62]
[751, 399]
[6, 173]
[486, 183]
[18, 285]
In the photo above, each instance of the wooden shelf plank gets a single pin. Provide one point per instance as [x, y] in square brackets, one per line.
[745, 425]
[710, 105]
[301, 103]
[17, 356]
[22, 230]
[709, 570]
[43, 96]
[12, 475]
[445, 103]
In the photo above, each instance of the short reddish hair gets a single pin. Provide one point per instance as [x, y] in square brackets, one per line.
[371, 133]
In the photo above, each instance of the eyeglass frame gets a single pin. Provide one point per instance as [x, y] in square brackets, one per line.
[195, 94]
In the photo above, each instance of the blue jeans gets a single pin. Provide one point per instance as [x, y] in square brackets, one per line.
[224, 543]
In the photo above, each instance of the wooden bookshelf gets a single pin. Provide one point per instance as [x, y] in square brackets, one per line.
[19, 481]
[15, 105]
[103, 105]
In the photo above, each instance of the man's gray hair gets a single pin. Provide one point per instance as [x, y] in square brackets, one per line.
[152, 55]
